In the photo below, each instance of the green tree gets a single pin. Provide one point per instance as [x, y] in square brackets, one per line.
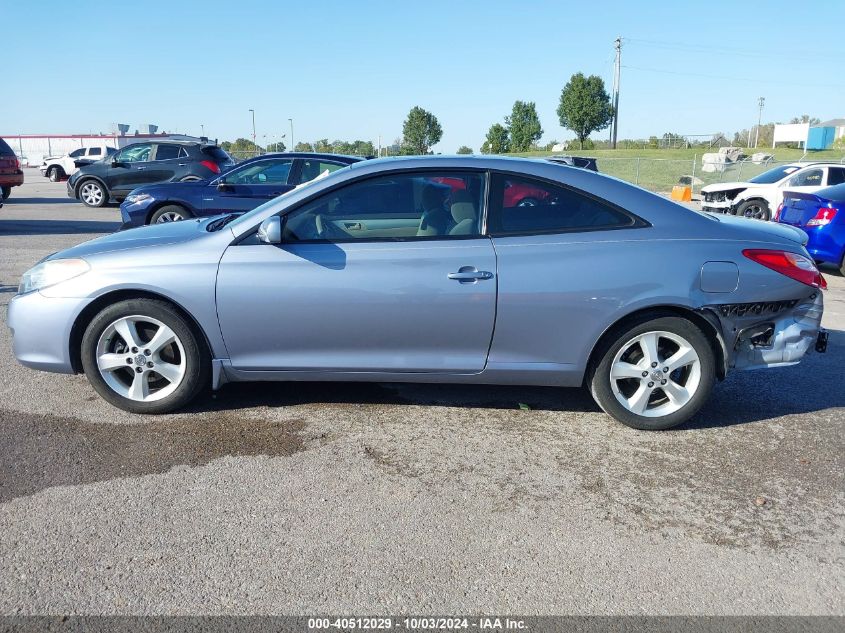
[584, 106]
[241, 148]
[420, 131]
[303, 147]
[523, 126]
[276, 147]
[497, 141]
[806, 118]
[463, 149]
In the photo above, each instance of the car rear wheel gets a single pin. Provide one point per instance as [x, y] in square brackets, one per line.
[55, 174]
[6, 191]
[654, 374]
[169, 213]
[92, 193]
[756, 209]
[142, 356]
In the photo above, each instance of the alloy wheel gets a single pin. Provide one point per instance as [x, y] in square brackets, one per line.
[655, 374]
[91, 194]
[169, 216]
[141, 358]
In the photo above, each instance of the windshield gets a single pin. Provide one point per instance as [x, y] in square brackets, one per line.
[247, 217]
[773, 175]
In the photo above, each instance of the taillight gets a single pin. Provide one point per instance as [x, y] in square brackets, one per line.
[823, 217]
[792, 265]
[778, 212]
[17, 163]
[214, 167]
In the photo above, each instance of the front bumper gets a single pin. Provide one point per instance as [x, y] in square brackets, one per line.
[721, 206]
[41, 329]
[71, 190]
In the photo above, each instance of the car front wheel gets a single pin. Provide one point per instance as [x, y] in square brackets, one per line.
[756, 209]
[654, 374]
[143, 356]
[92, 194]
[169, 213]
[55, 174]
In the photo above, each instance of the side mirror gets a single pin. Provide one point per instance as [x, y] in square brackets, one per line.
[115, 162]
[270, 230]
[222, 186]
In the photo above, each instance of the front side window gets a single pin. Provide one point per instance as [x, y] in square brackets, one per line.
[77, 152]
[521, 205]
[135, 153]
[167, 152]
[311, 168]
[415, 205]
[808, 178]
[264, 172]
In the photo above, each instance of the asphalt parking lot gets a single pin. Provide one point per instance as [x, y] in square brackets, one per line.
[357, 499]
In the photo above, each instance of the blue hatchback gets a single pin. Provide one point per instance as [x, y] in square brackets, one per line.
[822, 216]
[244, 187]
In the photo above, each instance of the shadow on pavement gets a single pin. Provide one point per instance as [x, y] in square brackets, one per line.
[56, 227]
[12, 201]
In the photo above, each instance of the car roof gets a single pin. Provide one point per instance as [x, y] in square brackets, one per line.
[345, 157]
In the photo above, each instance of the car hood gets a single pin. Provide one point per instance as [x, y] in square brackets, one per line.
[726, 186]
[768, 229]
[141, 237]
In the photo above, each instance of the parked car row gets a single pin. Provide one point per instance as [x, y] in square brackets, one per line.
[58, 168]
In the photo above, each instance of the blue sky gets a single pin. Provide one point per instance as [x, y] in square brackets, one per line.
[352, 70]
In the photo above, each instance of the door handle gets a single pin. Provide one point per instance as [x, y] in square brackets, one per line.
[140, 168]
[469, 274]
[182, 164]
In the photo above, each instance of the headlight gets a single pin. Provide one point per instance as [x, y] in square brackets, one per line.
[132, 198]
[51, 272]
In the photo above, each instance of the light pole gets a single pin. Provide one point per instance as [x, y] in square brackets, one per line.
[254, 145]
[760, 103]
[291, 135]
[202, 127]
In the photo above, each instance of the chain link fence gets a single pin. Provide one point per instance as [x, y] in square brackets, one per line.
[660, 175]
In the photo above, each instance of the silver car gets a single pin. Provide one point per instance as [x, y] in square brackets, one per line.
[431, 269]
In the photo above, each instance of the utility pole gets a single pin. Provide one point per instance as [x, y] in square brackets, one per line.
[616, 76]
[760, 103]
[254, 144]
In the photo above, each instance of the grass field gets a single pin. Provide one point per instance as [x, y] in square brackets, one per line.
[661, 169]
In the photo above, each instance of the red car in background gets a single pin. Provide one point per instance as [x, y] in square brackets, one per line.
[11, 174]
[516, 194]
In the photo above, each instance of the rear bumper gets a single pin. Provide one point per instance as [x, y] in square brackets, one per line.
[771, 334]
[11, 180]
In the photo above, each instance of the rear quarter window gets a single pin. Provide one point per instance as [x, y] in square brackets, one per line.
[5, 150]
[217, 154]
[524, 206]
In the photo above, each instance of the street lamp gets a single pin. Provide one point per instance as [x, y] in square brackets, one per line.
[254, 145]
[291, 134]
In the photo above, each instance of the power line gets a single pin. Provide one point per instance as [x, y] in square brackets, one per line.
[685, 73]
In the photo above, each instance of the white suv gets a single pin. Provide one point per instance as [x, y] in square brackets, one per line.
[57, 168]
[761, 195]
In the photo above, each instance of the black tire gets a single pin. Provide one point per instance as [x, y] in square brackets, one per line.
[756, 209]
[169, 211]
[196, 356]
[55, 174]
[599, 380]
[6, 191]
[92, 201]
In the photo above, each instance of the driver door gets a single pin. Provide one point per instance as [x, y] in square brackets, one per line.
[129, 168]
[248, 186]
[358, 284]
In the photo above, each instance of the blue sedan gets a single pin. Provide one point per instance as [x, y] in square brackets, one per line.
[423, 269]
[249, 184]
[822, 216]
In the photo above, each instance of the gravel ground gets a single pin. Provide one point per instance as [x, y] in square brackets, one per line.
[354, 499]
